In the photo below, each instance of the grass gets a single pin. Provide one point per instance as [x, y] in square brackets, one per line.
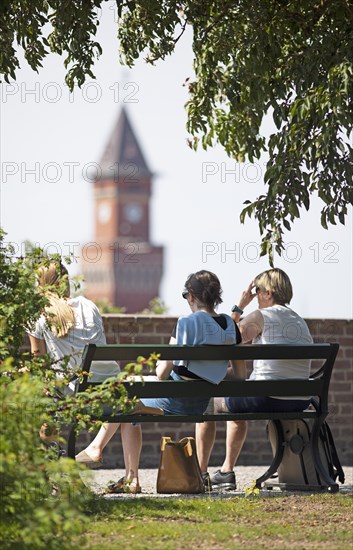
[294, 522]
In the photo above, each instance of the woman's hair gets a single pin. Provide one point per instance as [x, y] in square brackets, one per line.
[278, 282]
[205, 287]
[59, 314]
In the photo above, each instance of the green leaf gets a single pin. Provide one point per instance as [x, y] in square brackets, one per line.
[287, 224]
[341, 218]
[324, 219]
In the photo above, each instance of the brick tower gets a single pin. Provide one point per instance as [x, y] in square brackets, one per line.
[121, 265]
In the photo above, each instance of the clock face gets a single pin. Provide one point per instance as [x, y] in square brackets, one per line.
[133, 212]
[104, 212]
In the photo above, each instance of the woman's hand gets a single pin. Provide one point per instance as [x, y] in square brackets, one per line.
[247, 296]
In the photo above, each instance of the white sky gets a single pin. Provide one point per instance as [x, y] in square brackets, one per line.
[196, 198]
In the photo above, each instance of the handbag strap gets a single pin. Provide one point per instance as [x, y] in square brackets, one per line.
[164, 442]
[188, 446]
[185, 443]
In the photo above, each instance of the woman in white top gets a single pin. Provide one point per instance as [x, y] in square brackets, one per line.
[272, 323]
[65, 327]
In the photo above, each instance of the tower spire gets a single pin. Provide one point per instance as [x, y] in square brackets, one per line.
[123, 151]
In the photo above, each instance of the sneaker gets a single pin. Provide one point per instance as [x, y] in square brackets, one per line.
[224, 480]
[207, 481]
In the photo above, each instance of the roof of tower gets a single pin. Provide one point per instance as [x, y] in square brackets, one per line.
[123, 153]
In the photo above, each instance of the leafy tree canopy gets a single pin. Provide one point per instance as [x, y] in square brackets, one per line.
[292, 59]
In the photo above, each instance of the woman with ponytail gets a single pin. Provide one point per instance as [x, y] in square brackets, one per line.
[65, 327]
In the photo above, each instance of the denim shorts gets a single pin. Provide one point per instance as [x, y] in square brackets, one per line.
[178, 405]
[265, 404]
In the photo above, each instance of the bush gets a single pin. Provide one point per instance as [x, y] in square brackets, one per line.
[42, 498]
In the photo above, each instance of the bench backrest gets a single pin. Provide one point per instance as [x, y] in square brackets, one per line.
[244, 351]
[317, 385]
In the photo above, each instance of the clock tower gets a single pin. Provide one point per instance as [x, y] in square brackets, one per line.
[121, 265]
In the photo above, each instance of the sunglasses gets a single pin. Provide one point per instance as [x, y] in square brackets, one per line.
[185, 294]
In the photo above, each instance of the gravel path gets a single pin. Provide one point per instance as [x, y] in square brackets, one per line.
[98, 479]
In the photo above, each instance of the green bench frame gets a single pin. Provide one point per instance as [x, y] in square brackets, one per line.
[316, 386]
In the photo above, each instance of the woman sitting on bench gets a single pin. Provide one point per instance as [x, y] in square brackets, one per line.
[65, 327]
[272, 323]
[203, 326]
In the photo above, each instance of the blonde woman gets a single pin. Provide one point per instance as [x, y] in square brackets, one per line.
[63, 330]
[274, 322]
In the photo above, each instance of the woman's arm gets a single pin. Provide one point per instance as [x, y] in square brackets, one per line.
[246, 298]
[239, 369]
[164, 368]
[38, 346]
[251, 326]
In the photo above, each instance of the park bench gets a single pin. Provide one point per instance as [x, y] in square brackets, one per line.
[316, 386]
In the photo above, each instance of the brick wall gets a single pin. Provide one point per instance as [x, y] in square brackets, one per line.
[157, 329]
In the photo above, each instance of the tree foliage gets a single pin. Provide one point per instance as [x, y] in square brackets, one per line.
[290, 59]
[73, 25]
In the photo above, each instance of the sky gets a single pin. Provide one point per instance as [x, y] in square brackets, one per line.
[51, 140]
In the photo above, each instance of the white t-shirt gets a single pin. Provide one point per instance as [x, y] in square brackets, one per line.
[88, 329]
[282, 326]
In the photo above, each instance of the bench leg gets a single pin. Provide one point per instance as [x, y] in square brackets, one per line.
[71, 442]
[277, 459]
[332, 486]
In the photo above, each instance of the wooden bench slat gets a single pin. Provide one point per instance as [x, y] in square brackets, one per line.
[219, 417]
[243, 351]
[196, 388]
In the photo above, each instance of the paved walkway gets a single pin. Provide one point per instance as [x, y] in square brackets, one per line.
[98, 479]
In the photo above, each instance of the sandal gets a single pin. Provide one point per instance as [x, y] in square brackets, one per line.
[115, 487]
[133, 488]
[123, 486]
[87, 460]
